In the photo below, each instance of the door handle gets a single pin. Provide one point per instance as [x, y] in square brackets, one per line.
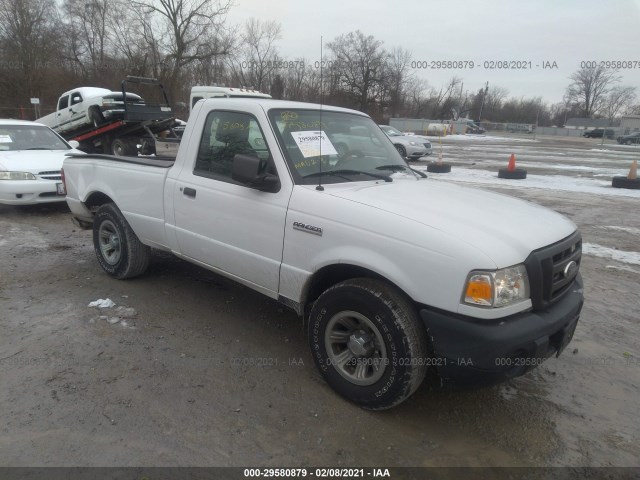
[189, 192]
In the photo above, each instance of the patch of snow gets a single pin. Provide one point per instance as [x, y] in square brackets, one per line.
[544, 182]
[622, 268]
[635, 231]
[102, 303]
[606, 252]
[486, 138]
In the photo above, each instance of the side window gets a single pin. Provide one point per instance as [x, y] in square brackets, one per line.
[225, 135]
[195, 100]
[75, 98]
[63, 102]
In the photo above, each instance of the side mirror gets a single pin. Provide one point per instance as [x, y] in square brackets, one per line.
[249, 169]
[74, 143]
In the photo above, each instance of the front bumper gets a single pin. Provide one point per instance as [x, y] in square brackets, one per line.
[479, 352]
[416, 151]
[29, 192]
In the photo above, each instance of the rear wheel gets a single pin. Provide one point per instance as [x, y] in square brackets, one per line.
[119, 251]
[124, 147]
[368, 343]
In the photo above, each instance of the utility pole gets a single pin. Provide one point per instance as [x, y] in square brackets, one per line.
[484, 95]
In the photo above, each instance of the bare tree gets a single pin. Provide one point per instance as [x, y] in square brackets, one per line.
[399, 61]
[180, 33]
[441, 102]
[88, 31]
[361, 62]
[619, 99]
[589, 89]
[28, 47]
[257, 58]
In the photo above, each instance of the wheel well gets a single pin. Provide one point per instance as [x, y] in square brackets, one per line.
[332, 274]
[96, 200]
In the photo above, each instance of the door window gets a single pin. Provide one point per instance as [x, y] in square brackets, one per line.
[63, 102]
[225, 135]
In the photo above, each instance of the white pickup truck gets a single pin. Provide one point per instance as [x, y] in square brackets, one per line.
[394, 274]
[86, 106]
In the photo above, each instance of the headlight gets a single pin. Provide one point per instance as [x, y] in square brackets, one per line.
[17, 176]
[412, 143]
[497, 289]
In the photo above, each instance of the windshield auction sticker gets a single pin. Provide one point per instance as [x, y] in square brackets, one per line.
[313, 142]
[5, 139]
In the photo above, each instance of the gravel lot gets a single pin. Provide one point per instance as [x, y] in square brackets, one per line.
[192, 369]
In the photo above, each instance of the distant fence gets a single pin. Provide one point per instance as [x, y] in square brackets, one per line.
[421, 126]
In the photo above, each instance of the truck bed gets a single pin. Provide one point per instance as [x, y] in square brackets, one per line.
[135, 184]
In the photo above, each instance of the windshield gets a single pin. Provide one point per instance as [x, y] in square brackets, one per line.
[392, 132]
[29, 137]
[349, 147]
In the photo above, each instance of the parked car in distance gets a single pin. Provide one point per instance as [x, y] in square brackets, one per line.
[31, 157]
[474, 128]
[629, 139]
[87, 106]
[408, 146]
[599, 132]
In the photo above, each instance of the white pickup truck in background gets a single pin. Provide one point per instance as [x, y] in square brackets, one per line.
[394, 274]
[87, 106]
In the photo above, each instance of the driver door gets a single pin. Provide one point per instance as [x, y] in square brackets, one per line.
[225, 224]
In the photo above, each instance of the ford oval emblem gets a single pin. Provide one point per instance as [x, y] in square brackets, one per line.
[571, 269]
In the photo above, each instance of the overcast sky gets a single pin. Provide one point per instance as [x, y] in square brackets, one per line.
[562, 31]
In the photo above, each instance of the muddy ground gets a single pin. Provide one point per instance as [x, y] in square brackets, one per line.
[203, 371]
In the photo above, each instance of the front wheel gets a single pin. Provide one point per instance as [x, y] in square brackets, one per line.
[120, 252]
[368, 343]
[95, 117]
[401, 150]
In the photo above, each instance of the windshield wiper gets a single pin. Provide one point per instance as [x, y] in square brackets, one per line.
[341, 173]
[397, 168]
[38, 148]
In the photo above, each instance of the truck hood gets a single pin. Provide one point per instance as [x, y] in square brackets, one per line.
[33, 161]
[504, 228]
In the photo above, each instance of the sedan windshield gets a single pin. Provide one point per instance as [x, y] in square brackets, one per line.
[336, 146]
[392, 132]
[29, 137]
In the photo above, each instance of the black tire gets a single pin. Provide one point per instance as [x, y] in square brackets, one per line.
[381, 321]
[120, 252]
[124, 147]
[96, 117]
[517, 174]
[439, 167]
[401, 150]
[624, 182]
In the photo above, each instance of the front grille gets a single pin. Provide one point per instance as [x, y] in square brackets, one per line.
[549, 272]
[50, 175]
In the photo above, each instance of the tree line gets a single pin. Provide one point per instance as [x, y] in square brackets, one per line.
[47, 47]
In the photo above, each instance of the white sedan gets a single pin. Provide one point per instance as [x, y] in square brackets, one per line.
[31, 157]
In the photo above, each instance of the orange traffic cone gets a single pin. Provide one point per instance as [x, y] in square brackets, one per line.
[511, 172]
[633, 171]
[631, 181]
